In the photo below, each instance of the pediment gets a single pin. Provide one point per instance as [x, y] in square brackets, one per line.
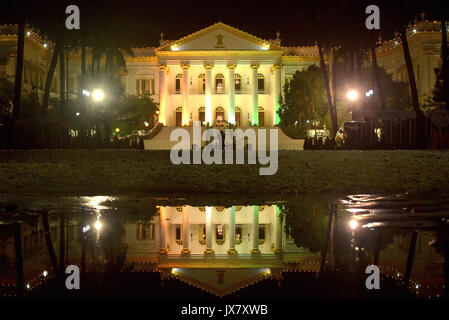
[223, 281]
[220, 37]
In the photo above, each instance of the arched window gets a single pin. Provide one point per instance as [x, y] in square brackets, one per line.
[219, 83]
[202, 114]
[178, 82]
[202, 83]
[219, 116]
[238, 116]
[179, 116]
[260, 82]
[238, 82]
[261, 117]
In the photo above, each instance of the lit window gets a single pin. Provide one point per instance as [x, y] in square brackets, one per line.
[260, 82]
[238, 82]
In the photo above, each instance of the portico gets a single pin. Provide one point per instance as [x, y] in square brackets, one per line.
[200, 71]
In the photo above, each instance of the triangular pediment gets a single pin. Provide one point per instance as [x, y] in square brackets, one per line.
[223, 281]
[219, 36]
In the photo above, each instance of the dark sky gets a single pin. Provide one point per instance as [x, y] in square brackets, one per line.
[141, 21]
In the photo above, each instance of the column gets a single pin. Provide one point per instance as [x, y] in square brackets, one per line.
[209, 231]
[231, 93]
[277, 92]
[231, 249]
[208, 102]
[163, 71]
[255, 231]
[278, 230]
[255, 93]
[163, 248]
[185, 93]
[185, 231]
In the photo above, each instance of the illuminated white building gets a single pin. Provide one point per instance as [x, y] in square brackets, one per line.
[217, 75]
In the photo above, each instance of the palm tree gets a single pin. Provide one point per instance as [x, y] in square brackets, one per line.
[413, 89]
[50, 74]
[376, 77]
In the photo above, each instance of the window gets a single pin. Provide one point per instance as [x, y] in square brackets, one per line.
[261, 117]
[238, 114]
[219, 83]
[202, 83]
[178, 82]
[179, 116]
[261, 234]
[202, 115]
[238, 82]
[202, 234]
[145, 231]
[219, 234]
[219, 116]
[260, 82]
[238, 234]
[178, 234]
[144, 86]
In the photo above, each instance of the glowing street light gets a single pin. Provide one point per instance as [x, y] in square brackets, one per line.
[352, 95]
[353, 224]
[98, 225]
[98, 95]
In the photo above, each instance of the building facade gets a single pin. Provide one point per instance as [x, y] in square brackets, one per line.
[219, 74]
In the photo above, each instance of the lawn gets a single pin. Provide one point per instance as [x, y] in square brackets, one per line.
[122, 171]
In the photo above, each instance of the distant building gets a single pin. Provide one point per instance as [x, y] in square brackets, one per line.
[424, 40]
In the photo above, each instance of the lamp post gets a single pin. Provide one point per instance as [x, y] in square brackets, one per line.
[353, 95]
[98, 96]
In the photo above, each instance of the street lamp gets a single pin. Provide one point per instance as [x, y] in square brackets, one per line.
[352, 95]
[98, 95]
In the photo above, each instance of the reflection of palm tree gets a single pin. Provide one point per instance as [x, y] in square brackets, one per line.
[19, 258]
[112, 243]
[50, 248]
[19, 64]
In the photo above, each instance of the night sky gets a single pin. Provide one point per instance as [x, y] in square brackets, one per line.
[142, 21]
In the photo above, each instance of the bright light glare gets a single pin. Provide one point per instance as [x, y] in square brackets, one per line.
[98, 95]
[98, 225]
[45, 273]
[353, 224]
[86, 92]
[352, 95]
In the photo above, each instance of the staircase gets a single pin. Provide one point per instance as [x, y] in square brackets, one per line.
[162, 140]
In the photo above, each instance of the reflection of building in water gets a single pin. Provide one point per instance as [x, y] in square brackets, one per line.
[427, 274]
[218, 249]
[36, 261]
